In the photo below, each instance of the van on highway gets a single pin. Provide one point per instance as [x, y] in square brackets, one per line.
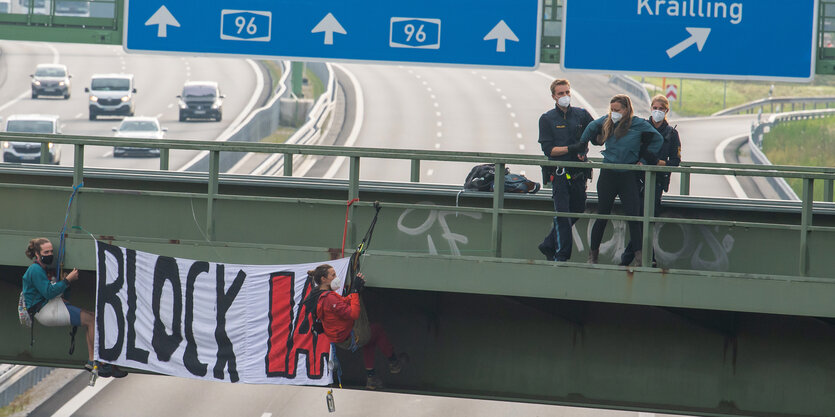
[31, 151]
[111, 94]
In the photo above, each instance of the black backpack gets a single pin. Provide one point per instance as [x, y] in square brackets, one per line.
[482, 177]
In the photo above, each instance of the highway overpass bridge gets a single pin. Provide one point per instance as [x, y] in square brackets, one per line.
[737, 321]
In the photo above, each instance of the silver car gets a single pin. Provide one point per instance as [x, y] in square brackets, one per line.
[139, 128]
[31, 151]
[51, 80]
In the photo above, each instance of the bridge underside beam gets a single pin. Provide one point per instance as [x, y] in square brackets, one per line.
[565, 352]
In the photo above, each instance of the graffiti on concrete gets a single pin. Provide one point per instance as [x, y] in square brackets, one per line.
[700, 247]
[440, 217]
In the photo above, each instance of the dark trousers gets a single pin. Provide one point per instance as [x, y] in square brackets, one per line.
[624, 185]
[569, 197]
[629, 253]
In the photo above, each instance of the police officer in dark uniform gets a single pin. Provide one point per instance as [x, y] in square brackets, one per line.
[669, 155]
[559, 136]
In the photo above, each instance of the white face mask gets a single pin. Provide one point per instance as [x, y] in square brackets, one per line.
[564, 101]
[336, 284]
[616, 116]
[658, 115]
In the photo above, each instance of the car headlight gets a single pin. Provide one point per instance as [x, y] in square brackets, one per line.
[36, 82]
[182, 104]
[61, 83]
[50, 145]
[6, 145]
[94, 98]
[125, 98]
[216, 105]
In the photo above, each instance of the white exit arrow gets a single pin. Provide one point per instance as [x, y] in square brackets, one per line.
[698, 36]
[501, 33]
[329, 25]
[163, 18]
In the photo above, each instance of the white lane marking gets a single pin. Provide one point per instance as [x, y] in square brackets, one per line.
[492, 84]
[437, 113]
[73, 405]
[498, 90]
[437, 146]
[417, 75]
[509, 106]
[436, 104]
[55, 58]
[519, 136]
[267, 415]
[79, 115]
[513, 115]
[430, 171]
[516, 124]
[224, 136]
[439, 123]
[438, 134]
[521, 147]
[483, 77]
[719, 155]
[15, 100]
[429, 89]
[504, 97]
[425, 82]
[170, 105]
[432, 96]
[358, 119]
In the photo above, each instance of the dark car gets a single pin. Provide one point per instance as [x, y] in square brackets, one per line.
[51, 80]
[201, 100]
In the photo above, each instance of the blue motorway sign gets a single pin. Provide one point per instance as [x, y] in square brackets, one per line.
[497, 33]
[727, 39]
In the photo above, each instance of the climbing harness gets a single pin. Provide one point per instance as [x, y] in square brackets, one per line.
[354, 262]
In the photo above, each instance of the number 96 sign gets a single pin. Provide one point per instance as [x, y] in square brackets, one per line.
[407, 32]
[245, 25]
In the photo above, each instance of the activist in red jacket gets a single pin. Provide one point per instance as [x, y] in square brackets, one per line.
[338, 315]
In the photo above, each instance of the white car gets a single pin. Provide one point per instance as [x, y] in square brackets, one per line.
[14, 151]
[139, 128]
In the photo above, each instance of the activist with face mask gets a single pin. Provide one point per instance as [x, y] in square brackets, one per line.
[628, 139]
[44, 300]
[344, 322]
[559, 137]
[669, 155]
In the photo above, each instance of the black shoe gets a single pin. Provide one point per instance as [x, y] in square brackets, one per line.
[107, 370]
[548, 252]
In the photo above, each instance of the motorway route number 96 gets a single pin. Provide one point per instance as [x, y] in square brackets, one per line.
[245, 25]
[407, 32]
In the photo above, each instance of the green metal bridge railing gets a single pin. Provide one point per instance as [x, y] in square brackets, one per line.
[808, 175]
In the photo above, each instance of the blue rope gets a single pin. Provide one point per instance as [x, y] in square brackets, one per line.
[61, 244]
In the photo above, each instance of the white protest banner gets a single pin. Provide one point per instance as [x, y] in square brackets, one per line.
[207, 320]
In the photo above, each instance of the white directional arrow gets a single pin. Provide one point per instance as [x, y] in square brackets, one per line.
[329, 25]
[698, 36]
[501, 33]
[163, 18]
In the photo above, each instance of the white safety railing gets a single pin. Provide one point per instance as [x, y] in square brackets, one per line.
[317, 124]
[755, 142]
